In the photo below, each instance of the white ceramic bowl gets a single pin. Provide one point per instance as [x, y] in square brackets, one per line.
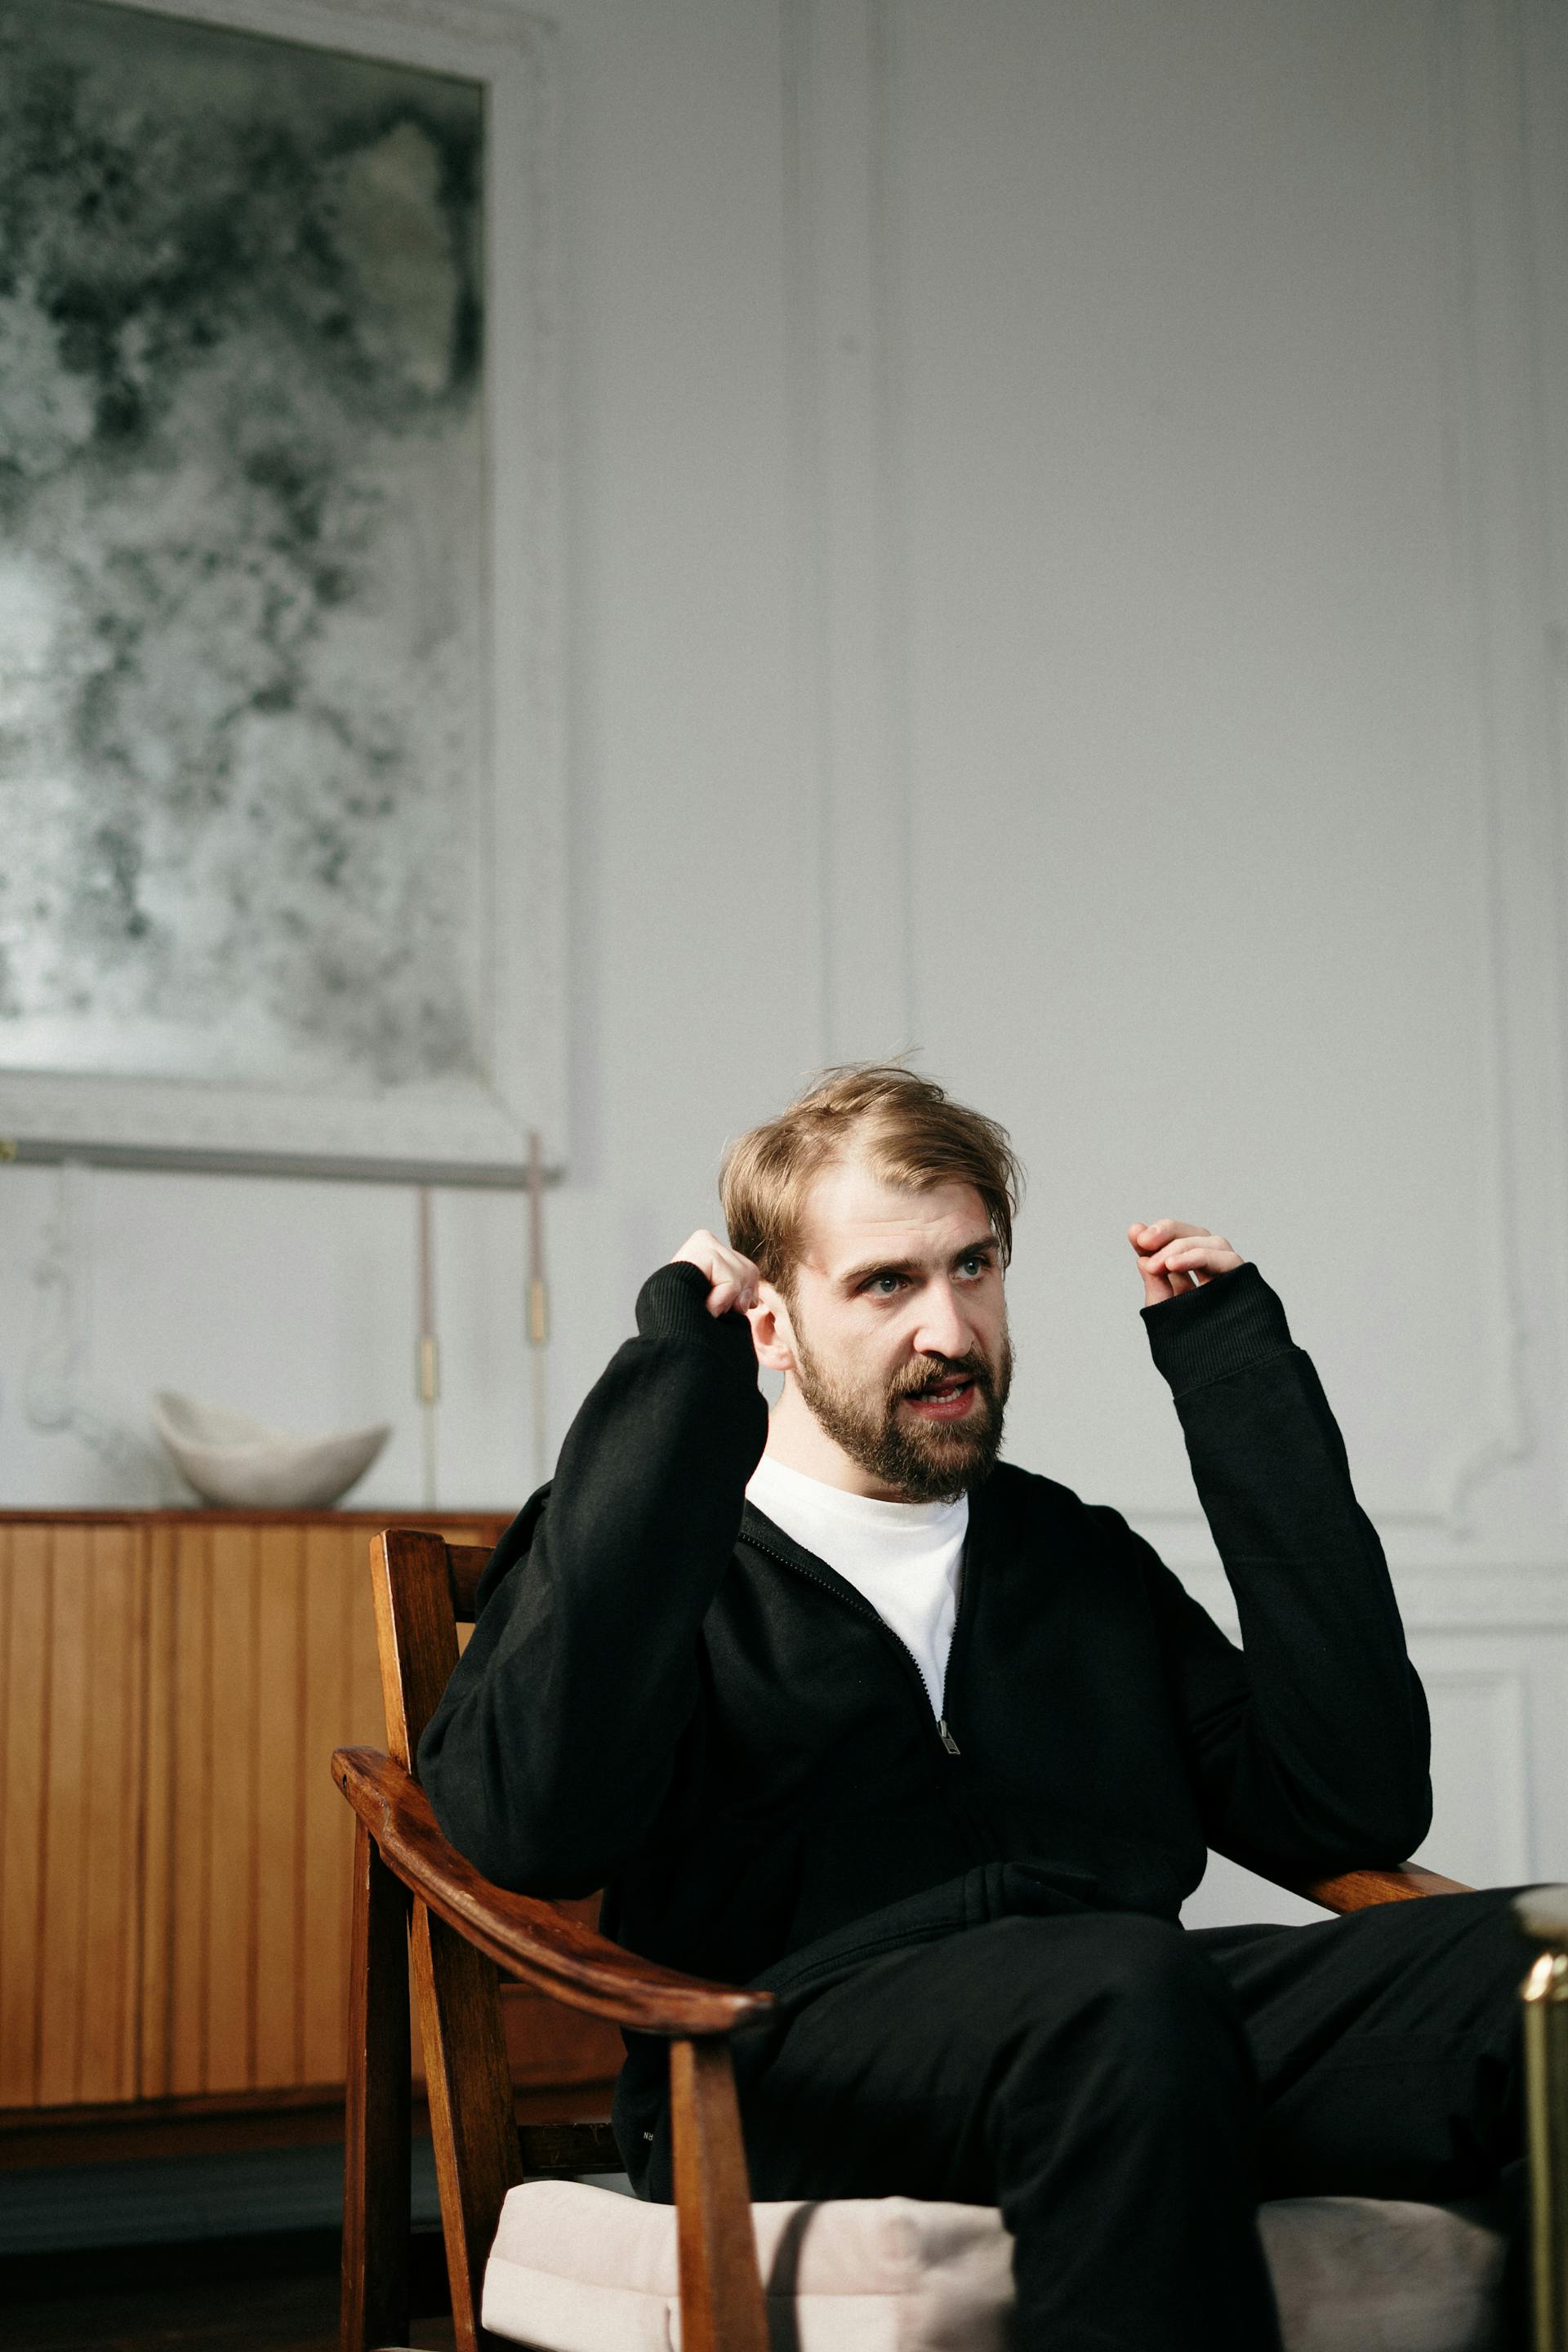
[230, 1459]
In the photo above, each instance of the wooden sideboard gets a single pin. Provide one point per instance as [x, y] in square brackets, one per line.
[175, 1859]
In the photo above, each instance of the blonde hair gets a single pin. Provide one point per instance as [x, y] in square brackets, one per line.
[903, 1126]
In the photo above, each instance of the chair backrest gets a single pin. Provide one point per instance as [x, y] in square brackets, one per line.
[425, 1590]
[423, 1587]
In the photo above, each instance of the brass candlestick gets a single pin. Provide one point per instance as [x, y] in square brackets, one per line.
[427, 1362]
[538, 1303]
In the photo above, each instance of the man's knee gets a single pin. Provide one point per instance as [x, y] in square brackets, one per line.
[1128, 2039]
[1136, 1989]
[1489, 1917]
[1460, 1958]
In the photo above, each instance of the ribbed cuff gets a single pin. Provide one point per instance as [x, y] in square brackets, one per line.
[673, 1305]
[1234, 1320]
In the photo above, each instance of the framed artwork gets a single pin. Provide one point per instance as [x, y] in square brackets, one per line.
[280, 784]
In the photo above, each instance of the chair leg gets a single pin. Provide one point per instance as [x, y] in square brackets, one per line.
[468, 2086]
[721, 2305]
[374, 2308]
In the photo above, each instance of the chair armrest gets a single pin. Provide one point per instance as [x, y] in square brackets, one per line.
[1360, 1890]
[528, 1937]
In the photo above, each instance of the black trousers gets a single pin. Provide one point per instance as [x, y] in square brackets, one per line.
[1128, 2091]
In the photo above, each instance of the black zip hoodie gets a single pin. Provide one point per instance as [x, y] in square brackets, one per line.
[667, 1697]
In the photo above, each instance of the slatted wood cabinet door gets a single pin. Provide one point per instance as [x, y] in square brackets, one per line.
[175, 1859]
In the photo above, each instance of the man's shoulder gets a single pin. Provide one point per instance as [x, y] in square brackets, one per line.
[1012, 1487]
[1026, 1500]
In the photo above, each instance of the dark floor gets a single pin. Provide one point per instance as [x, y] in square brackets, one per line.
[256, 2295]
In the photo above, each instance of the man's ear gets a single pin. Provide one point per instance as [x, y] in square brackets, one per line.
[773, 1335]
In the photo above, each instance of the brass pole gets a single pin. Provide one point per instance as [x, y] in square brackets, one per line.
[1543, 1913]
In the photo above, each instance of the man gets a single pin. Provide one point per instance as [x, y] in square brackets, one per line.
[833, 1701]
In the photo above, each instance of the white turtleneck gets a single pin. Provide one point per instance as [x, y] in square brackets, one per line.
[903, 1558]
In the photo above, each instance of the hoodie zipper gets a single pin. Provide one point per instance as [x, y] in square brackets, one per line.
[863, 1608]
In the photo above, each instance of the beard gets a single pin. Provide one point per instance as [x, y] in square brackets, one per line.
[924, 1461]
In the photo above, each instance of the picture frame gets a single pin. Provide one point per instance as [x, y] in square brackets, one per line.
[472, 1124]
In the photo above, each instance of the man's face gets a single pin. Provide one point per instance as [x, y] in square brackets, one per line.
[897, 1325]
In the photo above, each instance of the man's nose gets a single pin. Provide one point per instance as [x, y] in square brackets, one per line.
[943, 1328]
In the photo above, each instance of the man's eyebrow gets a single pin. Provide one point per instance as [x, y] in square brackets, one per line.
[985, 1246]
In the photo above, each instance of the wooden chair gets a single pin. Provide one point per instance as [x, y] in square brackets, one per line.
[414, 1893]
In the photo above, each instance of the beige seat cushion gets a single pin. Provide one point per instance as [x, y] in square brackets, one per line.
[576, 2269]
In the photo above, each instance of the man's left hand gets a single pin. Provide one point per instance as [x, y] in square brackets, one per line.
[1173, 1258]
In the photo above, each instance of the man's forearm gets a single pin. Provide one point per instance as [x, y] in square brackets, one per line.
[1327, 1756]
[553, 1749]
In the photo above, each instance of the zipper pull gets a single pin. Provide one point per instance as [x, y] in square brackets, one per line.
[947, 1741]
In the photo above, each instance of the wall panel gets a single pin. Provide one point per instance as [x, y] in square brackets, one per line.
[152, 1994]
[1480, 1773]
[26, 1596]
[283, 1762]
[107, 1859]
[62, 1990]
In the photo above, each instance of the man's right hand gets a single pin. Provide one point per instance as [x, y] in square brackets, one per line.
[734, 1278]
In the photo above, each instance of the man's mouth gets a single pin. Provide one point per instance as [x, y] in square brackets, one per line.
[947, 1400]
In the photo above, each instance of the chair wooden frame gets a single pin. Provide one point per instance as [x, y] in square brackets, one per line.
[415, 1897]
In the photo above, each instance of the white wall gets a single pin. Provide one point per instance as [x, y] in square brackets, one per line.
[1064, 573]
